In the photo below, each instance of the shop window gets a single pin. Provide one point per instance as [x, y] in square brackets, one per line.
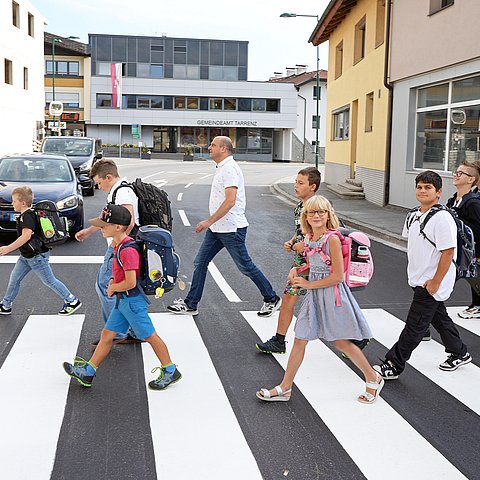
[466, 89]
[341, 124]
[31, 25]
[432, 96]
[338, 60]
[437, 5]
[8, 71]
[359, 41]
[369, 112]
[16, 14]
[431, 139]
[380, 23]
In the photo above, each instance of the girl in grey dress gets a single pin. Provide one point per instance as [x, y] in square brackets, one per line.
[329, 310]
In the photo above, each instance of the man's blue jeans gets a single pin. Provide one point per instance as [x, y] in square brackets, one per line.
[103, 278]
[234, 242]
[40, 265]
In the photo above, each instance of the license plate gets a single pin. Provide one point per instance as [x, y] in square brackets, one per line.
[13, 216]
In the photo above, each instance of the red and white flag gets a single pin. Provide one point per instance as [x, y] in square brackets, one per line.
[116, 76]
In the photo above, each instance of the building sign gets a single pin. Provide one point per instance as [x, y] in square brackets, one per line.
[70, 116]
[228, 123]
[136, 130]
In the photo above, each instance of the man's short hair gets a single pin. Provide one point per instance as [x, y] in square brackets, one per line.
[24, 194]
[474, 169]
[430, 177]
[104, 167]
[225, 142]
[313, 175]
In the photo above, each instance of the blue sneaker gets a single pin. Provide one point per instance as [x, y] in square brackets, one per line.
[80, 371]
[164, 379]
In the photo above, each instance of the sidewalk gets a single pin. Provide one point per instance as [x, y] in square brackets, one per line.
[381, 223]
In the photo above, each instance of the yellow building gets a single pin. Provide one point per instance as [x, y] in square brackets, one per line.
[358, 100]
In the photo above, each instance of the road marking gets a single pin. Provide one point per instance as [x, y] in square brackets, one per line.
[184, 218]
[206, 176]
[426, 359]
[153, 175]
[226, 289]
[179, 197]
[471, 324]
[348, 419]
[173, 172]
[188, 184]
[34, 393]
[204, 438]
[161, 183]
[87, 259]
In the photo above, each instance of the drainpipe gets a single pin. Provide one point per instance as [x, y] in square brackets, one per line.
[304, 125]
[389, 87]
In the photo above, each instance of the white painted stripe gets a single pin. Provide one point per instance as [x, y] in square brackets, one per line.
[179, 197]
[31, 409]
[87, 259]
[153, 175]
[331, 387]
[206, 176]
[222, 283]
[471, 324]
[173, 172]
[194, 430]
[184, 218]
[188, 184]
[463, 384]
[161, 183]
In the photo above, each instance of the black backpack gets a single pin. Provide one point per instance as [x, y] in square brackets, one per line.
[158, 261]
[51, 227]
[153, 204]
[465, 262]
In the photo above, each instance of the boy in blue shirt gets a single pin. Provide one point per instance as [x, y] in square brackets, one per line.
[130, 307]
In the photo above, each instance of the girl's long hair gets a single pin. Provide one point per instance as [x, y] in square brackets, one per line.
[317, 202]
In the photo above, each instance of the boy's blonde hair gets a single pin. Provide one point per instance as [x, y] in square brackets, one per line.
[24, 194]
[317, 202]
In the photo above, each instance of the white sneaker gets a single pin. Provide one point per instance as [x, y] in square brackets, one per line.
[470, 312]
[181, 308]
[268, 308]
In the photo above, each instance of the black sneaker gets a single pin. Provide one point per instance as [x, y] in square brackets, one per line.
[70, 307]
[181, 308]
[274, 345]
[164, 379]
[387, 370]
[454, 361]
[5, 310]
[427, 337]
[361, 344]
[79, 371]
[268, 308]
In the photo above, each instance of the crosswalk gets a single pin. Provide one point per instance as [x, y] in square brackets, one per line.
[194, 425]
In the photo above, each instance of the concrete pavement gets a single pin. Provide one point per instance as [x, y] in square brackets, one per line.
[380, 223]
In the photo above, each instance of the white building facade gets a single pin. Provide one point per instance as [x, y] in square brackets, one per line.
[22, 97]
[184, 92]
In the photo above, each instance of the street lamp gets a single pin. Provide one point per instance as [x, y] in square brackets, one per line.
[290, 15]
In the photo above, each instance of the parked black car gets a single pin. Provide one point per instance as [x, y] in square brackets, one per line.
[51, 177]
[82, 152]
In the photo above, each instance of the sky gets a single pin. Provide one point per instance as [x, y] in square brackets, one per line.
[275, 43]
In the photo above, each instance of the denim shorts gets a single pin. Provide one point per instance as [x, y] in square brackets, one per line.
[131, 312]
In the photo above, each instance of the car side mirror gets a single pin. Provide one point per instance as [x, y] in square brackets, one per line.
[98, 155]
[83, 178]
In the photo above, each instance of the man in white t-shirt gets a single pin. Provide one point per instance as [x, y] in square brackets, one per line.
[225, 228]
[105, 174]
[431, 273]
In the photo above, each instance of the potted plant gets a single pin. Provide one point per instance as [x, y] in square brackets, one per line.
[188, 153]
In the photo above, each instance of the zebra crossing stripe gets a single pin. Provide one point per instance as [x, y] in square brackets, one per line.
[463, 384]
[331, 387]
[194, 430]
[34, 394]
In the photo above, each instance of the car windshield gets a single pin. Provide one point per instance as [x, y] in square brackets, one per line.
[74, 147]
[35, 170]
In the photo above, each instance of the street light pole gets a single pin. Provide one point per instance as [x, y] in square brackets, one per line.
[291, 15]
[53, 73]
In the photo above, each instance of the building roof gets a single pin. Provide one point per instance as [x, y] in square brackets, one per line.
[333, 16]
[301, 78]
[66, 47]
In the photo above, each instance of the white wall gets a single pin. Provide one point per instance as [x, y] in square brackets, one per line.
[20, 109]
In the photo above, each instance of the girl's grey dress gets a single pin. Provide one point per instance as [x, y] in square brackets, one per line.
[319, 315]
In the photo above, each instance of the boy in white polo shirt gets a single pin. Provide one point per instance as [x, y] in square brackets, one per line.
[431, 274]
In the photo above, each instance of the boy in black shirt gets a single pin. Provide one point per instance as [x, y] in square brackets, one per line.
[34, 255]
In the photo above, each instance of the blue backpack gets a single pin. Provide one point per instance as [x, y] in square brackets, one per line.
[158, 261]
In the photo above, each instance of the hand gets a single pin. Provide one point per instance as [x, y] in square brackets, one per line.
[201, 226]
[299, 247]
[431, 286]
[4, 251]
[82, 235]
[288, 246]
[292, 274]
[110, 289]
[301, 282]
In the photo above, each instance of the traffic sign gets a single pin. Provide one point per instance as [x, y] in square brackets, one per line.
[55, 108]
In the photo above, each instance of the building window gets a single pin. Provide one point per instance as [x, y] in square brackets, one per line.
[341, 124]
[16, 14]
[104, 100]
[8, 72]
[65, 68]
[273, 105]
[359, 42]
[338, 60]
[31, 25]
[369, 112]
[25, 78]
[448, 119]
[437, 5]
[216, 104]
[229, 103]
[192, 103]
[314, 121]
[380, 23]
[156, 71]
[69, 100]
[180, 103]
[258, 104]
[315, 92]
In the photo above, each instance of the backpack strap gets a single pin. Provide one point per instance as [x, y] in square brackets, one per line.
[122, 184]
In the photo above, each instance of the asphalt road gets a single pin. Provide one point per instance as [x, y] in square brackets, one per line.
[108, 432]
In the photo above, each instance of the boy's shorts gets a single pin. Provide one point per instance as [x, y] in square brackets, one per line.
[293, 289]
[131, 312]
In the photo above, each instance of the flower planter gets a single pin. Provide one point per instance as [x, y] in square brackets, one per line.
[188, 158]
